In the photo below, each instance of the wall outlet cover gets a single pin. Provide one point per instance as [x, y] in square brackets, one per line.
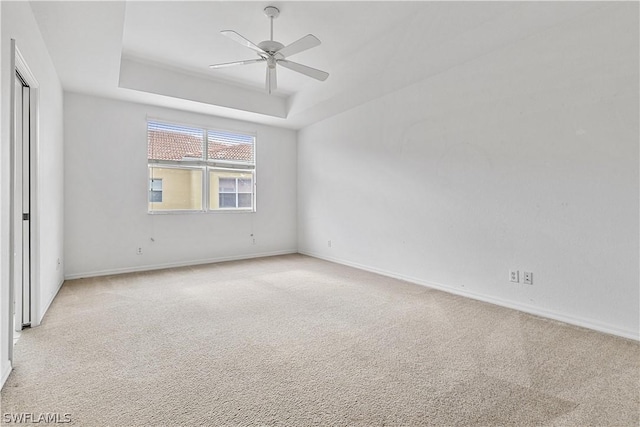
[514, 276]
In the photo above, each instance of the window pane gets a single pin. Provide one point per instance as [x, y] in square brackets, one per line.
[174, 142]
[155, 196]
[227, 200]
[245, 185]
[233, 147]
[227, 185]
[155, 184]
[181, 189]
[244, 200]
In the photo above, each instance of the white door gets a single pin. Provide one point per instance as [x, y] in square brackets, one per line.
[22, 194]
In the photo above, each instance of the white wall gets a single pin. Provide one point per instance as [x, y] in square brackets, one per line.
[18, 23]
[525, 158]
[106, 217]
[5, 363]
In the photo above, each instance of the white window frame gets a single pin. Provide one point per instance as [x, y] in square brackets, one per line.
[206, 166]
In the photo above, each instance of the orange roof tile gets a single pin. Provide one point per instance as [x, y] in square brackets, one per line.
[180, 146]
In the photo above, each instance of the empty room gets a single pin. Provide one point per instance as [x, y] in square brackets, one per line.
[295, 213]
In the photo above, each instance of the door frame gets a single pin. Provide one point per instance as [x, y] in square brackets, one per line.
[19, 64]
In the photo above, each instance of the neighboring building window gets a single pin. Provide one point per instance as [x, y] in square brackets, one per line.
[234, 192]
[155, 190]
[199, 169]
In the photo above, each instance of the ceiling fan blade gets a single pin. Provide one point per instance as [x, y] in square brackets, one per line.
[272, 83]
[231, 64]
[306, 42]
[243, 41]
[307, 71]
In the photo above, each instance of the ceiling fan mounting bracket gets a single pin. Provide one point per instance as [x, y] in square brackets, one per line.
[272, 12]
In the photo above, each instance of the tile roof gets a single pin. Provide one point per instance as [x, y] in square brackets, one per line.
[165, 145]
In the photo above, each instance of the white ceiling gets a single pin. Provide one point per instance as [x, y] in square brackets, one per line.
[193, 39]
[159, 52]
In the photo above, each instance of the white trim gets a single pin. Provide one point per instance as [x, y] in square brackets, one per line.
[40, 315]
[12, 137]
[23, 69]
[20, 65]
[34, 209]
[5, 374]
[176, 264]
[572, 320]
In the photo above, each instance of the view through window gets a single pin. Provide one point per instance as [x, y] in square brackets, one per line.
[199, 169]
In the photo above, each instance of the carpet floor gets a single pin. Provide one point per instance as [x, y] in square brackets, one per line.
[296, 341]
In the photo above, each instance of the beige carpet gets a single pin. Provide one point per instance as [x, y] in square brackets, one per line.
[295, 341]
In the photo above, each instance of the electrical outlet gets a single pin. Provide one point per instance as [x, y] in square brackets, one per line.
[329, 243]
[254, 241]
[139, 251]
[527, 278]
[514, 276]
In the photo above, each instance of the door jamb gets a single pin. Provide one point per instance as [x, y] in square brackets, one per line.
[34, 95]
[18, 63]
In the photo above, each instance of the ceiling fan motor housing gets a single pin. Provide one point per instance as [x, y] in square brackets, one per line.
[270, 46]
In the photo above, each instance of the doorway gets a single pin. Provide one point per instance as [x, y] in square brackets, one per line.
[22, 203]
[23, 302]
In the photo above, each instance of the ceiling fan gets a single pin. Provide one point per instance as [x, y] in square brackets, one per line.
[274, 53]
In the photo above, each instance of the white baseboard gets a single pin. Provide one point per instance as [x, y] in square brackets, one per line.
[46, 307]
[537, 311]
[5, 374]
[175, 264]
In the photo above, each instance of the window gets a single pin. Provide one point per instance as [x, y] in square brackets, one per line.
[234, 192]
[199, 169]
[155, 190]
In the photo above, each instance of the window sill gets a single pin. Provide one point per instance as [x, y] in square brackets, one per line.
[217, 211]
